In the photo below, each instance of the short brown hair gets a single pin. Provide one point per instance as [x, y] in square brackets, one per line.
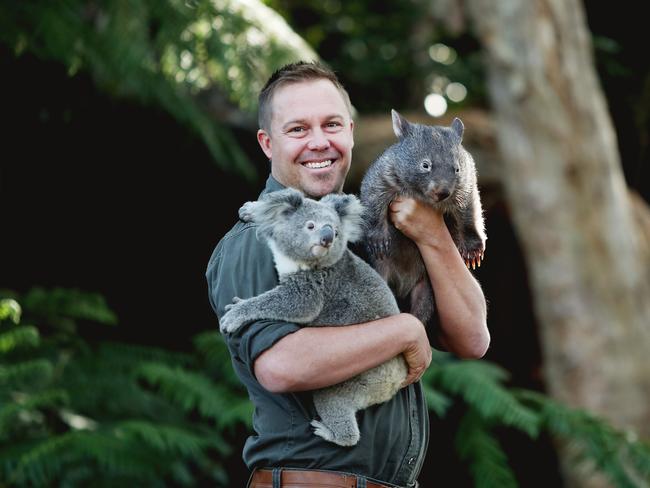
[295, 73]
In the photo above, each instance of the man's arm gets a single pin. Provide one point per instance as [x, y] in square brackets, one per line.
[459, 299]
[316, 357]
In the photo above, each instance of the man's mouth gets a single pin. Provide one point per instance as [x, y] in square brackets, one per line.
[318, 164]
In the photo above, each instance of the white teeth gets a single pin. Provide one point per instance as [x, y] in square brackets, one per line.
[321, 164]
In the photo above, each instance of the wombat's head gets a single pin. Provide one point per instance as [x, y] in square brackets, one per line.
[305, 231]
[430, 160]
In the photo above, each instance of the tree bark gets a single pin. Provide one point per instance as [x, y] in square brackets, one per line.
[587, 259]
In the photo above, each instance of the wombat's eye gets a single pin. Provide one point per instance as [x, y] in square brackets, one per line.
[310, 225]
[426, 165]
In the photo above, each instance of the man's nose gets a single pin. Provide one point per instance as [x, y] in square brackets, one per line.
[318, 141]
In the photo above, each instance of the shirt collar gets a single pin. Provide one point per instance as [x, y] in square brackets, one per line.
[272, 185]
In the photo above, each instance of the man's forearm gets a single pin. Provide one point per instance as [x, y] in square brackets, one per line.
[316, 357]
[459, 299]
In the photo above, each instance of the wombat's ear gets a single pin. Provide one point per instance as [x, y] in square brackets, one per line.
[272, 206]
[458, 128]
[350, 211]
[401, 126]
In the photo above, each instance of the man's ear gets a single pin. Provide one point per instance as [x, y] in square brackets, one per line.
[264, 140]
[350, 212]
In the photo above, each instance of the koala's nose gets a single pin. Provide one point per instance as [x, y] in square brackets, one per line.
[326, 235]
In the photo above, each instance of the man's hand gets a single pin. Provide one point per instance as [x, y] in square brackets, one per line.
[418, 352]
[416, 220]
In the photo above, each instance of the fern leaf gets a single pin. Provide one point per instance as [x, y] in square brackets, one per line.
[477, 382]
[488, 463]
[10, 309]
[71, 303]
[23, 336]
[30, 373]
[194, 391]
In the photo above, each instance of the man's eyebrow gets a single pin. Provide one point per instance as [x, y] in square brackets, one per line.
[304, 121]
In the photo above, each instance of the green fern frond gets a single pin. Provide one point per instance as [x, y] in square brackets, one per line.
[74, 304]
[130, 354]
[29, 374]
[18, 410]
[620, 456]
[193, 391]
[17, 337]
[437, 401]
[170, 439]
[488, 463]
[477, 382]
[211, 346]
[10, 309]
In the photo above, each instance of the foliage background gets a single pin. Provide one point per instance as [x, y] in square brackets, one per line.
[115, 194]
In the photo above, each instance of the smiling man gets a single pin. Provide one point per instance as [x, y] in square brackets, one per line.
[306, 130]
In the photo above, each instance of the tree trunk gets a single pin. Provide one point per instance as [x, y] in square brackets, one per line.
[588, 262]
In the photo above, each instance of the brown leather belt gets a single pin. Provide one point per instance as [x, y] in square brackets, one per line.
[306, 478]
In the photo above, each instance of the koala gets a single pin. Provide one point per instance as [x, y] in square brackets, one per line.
[321, 283]
[427, 163]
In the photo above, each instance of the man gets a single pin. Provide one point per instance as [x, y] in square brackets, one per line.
[306, 130]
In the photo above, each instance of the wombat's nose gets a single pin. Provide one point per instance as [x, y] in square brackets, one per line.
[326, 235]
[442, 194]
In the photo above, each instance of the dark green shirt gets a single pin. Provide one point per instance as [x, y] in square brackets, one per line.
[394, 435]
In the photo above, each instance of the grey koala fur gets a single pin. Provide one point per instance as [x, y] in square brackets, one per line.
[323, 283]
[430, 164]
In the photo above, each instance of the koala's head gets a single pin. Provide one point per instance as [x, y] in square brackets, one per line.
[431, 160]
[308, 232]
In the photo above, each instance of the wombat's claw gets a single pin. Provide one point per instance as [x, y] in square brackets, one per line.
[472, 260]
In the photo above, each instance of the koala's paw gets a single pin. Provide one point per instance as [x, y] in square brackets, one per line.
[322, 430]
[245, 212]
[235, 301]
[473, 252]
[230, 322]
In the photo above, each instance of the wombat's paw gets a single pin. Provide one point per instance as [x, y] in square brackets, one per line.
[473, 257]
[245, 213]
[378, 247]
[320, 429]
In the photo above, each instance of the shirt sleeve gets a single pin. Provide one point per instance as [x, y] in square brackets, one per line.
[242, 266]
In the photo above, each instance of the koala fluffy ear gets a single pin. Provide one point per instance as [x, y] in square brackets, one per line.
[273, 205]
[458, 128]
[350, 211]
[401, 126]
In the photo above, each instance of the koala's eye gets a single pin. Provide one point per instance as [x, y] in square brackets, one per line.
[457, 169]
[426, 165]
[310, 225]
[336, 233]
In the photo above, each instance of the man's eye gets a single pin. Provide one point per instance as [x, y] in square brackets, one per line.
[334, 124]
[297, 129]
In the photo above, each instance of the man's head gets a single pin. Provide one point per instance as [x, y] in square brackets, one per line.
[306, 128]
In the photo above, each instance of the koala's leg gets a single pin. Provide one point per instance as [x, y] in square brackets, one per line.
[284, 302]
[338, 422]
[422, 303]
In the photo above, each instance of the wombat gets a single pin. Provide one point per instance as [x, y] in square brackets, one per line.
[427, 163]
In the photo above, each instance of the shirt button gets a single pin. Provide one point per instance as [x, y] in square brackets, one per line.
[411, 461]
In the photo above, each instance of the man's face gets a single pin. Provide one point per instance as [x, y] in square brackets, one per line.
[310, 140]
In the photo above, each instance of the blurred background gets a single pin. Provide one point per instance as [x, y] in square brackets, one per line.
[129, 144]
